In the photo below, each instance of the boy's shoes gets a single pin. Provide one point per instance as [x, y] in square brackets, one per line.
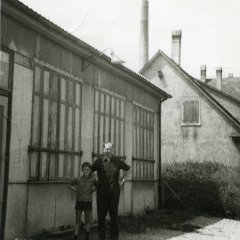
[75, 237]
[86, 236]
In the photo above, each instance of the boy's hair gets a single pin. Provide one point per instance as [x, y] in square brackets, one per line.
[86, 164]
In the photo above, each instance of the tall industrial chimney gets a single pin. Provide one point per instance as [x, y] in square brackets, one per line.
[143, 46]
[176, 46]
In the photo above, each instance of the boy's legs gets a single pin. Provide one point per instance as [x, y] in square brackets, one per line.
[87, 222]
[78, 223]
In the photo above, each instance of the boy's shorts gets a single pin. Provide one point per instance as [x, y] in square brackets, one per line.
[83, 205]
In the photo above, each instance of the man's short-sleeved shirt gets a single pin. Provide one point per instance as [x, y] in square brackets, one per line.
[108, 174]
[84, 187]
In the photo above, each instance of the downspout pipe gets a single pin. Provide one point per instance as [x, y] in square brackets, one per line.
[160, 153]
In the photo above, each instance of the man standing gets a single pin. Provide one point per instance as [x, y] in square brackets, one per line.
[108, 190]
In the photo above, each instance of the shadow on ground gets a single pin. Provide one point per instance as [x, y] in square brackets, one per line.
[161, 224]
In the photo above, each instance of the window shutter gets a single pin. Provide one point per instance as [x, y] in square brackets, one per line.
[195, 111]
[186, 112]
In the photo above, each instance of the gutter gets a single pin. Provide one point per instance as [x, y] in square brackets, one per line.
[160, 153]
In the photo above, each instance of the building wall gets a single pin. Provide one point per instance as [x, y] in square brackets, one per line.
[210, 141]
[41, 206]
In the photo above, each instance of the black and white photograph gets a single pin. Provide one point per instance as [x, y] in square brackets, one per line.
[120, 120]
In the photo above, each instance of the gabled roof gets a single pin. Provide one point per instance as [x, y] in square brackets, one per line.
[83, 47]
[199, 85]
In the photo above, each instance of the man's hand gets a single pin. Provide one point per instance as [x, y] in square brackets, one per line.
[122, 181]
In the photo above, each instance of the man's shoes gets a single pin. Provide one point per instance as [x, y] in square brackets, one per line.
[75, 237]
[86, 236]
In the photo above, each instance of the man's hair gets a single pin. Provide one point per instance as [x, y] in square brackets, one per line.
[86, 164]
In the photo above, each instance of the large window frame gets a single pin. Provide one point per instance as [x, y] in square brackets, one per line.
[55, 149]
[143, 143]
[109, 122]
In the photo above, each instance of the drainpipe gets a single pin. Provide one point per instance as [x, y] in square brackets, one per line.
[160, 153]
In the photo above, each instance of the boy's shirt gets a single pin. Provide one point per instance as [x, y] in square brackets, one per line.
[108, 174]
[84, 187]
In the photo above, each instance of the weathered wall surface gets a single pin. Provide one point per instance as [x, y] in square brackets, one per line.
[143, 196]
[19, 160]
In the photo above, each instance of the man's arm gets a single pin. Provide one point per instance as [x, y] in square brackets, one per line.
[95, 165]
[126, 172]
[95, 185]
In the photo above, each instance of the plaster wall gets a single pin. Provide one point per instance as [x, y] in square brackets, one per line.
[208, 142]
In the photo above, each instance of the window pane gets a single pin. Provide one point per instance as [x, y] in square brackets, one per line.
[78, 93]
[36, 123]
[54, 87]
[122, 138]
[96, 100]
[45, 123]
[60, 165]
[117, 107]
[46, 83]
[107, 129]
[102, 103]
[52, 167]
[101, 132]
[76, 166]
[4, 76]
[70, 92]
[33, 165]
[43, 166]
[62, 128]
[37, 79]
[77, 130]
[122, 109]
[70, 122]
[68, 173]
[63, 89]
[113, 106]
[107, 104]
[117, 138]
[96, 141]
[53, 128]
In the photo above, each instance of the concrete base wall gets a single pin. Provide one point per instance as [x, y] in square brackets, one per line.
[49, 206]
[143, 196]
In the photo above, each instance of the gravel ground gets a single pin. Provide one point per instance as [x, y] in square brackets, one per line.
[163, 225]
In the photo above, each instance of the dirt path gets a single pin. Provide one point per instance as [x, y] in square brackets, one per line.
[165, 225]
[222, 229]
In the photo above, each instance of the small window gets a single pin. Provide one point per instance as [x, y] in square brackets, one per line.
[191, 111]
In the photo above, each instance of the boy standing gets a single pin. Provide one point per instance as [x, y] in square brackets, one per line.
[84, 189]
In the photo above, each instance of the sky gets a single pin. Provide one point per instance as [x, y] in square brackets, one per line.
[210, 29]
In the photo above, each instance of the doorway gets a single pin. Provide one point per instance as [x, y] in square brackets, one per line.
[5, 99]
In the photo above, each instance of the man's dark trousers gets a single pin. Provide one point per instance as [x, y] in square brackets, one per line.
[108, 203]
